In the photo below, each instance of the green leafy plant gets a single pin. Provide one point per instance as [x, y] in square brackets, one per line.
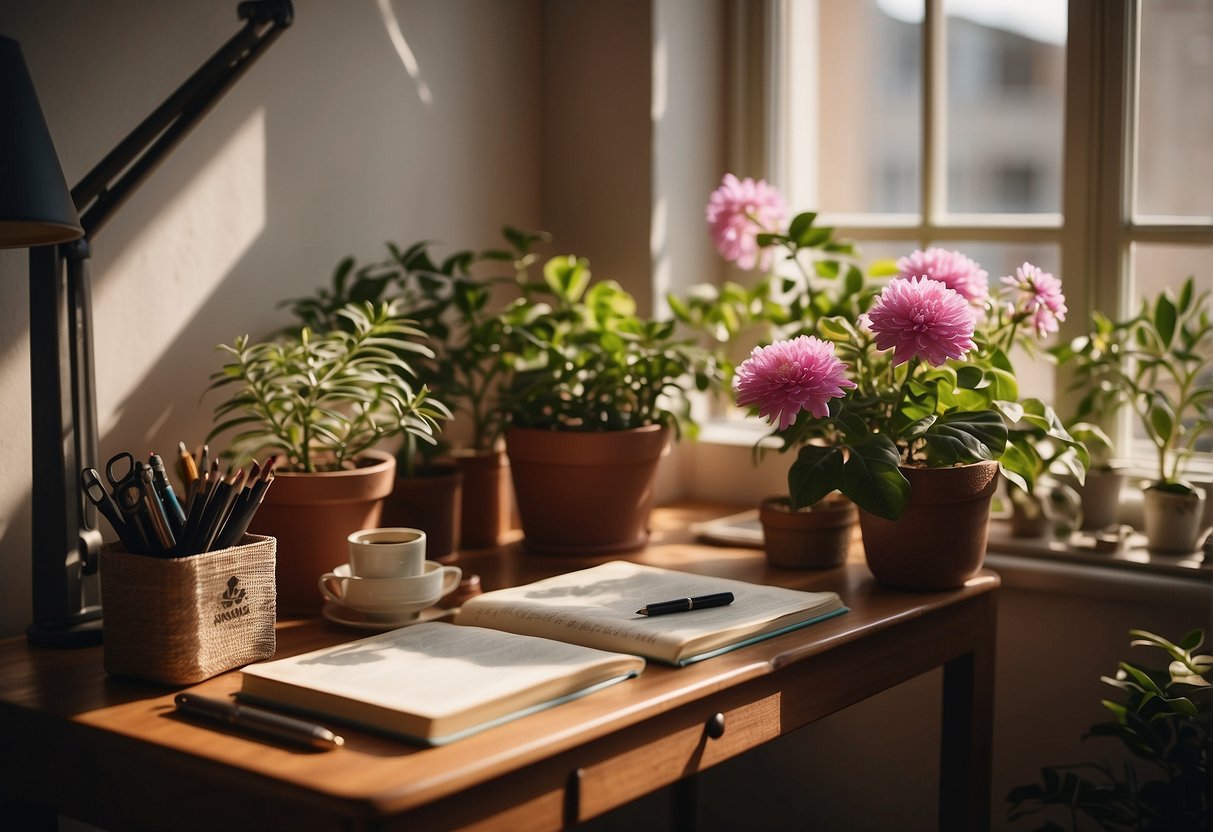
[578, 357]
[458, 305]
[1160, 363]
[1163, 721]
[319, 400]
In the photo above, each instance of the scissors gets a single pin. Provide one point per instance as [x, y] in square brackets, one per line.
[94, 490]
[119, 462]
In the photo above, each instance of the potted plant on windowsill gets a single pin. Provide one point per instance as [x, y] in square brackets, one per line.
[914, 405]
[1159, 362]
[595, 393]
[321, 402]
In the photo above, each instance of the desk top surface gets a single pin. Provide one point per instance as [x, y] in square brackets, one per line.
[68, 690]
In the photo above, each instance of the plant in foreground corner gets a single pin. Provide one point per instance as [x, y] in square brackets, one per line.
[1163, 721]
[319, 400]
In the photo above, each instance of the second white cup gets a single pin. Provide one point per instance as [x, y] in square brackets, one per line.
[387, 553]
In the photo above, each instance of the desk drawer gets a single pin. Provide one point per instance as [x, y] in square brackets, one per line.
[696, 740]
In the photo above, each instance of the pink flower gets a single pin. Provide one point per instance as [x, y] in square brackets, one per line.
[1040, 299]
[951, 268]
[922, 317]
[737, 212]
[789, 376]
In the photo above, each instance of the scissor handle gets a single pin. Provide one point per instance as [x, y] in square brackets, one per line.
[124, 458]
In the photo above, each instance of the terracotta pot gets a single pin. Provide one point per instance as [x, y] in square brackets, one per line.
[1173, 522]
[585, 493]
[817, 537]
[431, 501]
[311, 515]
[940, 540]
[1028, 517]
[488, 502]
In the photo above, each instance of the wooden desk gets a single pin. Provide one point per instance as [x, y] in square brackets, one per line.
[110, 751]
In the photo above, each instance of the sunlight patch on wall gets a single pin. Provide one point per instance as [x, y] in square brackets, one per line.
[392, 26]
[186, 249]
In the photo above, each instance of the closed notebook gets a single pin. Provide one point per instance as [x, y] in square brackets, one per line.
[596, 607]
[435, 682]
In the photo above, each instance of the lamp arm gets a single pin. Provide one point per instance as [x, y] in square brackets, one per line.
[65, 542]
[97, 197]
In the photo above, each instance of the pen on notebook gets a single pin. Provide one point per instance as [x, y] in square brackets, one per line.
[268, 723]
[699, 602]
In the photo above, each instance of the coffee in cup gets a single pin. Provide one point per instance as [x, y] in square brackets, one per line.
[387, 553]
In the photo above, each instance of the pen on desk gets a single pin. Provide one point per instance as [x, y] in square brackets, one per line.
[271, 724]
[718, 599]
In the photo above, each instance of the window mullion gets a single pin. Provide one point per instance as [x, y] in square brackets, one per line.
[934, 117]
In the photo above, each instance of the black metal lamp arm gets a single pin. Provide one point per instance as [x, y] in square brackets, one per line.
[65, 540]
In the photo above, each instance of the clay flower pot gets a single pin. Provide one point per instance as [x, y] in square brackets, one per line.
[431, 501]
[488, 502]
[940, 540]
[816, 537]
[583, 492]
[311, 515]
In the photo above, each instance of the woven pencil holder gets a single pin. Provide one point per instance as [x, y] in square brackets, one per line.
[182, 620]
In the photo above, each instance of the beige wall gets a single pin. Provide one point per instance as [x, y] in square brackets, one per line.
[327, 147]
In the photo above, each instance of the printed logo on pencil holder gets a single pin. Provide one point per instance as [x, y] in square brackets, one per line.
[231, 602]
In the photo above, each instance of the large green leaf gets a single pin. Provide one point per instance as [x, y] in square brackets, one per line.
[816, 472]
[966, 437]
[871, 476]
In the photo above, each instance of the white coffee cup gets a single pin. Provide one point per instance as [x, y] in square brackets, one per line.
[390, 595]
[387, 553]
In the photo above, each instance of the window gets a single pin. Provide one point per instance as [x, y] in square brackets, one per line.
[1077, 135]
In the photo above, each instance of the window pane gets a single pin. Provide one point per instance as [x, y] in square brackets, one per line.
[1159, 267]
[1175, 109]
[1034, 373]
[1006, 87]
[855, 126]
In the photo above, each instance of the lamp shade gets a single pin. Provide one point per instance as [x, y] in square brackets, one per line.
[35, 206]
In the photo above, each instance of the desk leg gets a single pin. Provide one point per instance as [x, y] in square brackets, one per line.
[684, 805]
[967, 734]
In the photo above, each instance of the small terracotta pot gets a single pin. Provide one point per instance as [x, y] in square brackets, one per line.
[488, 501]
[582, 492]
[311, 515]
[940, 540]
[817, 537]
[1028, 517]
[430, 501]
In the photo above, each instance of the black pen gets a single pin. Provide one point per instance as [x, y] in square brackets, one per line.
[718, 599]
[270, 724]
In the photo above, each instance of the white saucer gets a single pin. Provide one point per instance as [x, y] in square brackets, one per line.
[347, 617]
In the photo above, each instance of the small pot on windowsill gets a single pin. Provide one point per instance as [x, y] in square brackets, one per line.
[815, 537]
[1174, 517]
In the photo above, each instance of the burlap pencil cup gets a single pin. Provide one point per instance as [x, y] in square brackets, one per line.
[182, 620]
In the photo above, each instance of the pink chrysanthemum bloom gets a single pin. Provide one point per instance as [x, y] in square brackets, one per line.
[922, 317]
[789, 376]
[951, 268]
[1041, 299]
[737, 212]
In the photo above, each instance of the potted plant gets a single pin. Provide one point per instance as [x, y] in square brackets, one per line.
[1159, 362]
[595, 393]
[320, 403]
[468, 486]
[1163, 721]
[911, 410]
[1048, 503]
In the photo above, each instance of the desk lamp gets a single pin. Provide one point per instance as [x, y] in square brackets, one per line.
[35, 212]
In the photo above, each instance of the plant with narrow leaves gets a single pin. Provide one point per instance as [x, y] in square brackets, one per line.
[1163, 721]
[319, 400]
[1160, 363]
